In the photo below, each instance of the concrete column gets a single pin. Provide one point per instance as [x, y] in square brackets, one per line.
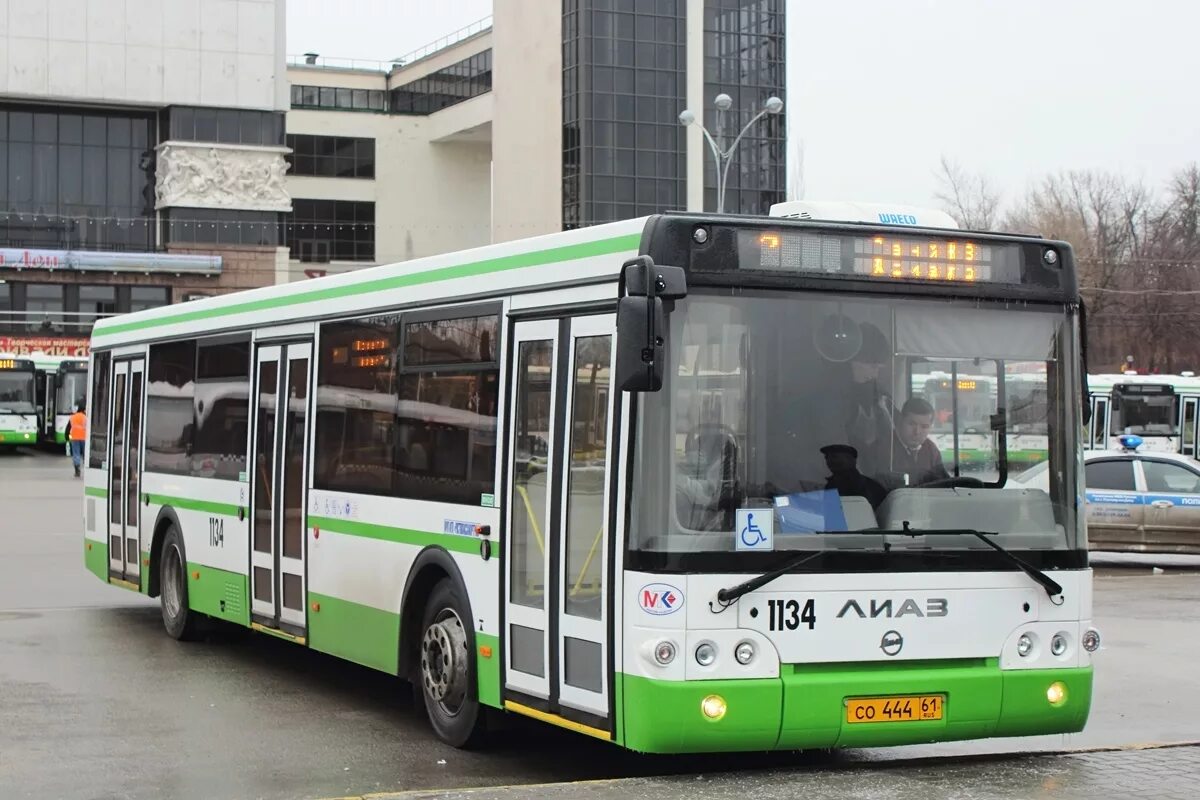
[697, 150]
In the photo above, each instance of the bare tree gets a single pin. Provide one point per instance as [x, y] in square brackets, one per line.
[970, 199]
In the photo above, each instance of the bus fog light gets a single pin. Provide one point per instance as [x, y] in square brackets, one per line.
[1058, 645]
[744, 653]
[1056, 693]
[664, 653]
[713, 706]
[1024, 645]
[706, 654]
[1091, 640]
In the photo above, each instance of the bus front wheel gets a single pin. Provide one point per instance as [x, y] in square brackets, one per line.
[446, 671]
[178, 619]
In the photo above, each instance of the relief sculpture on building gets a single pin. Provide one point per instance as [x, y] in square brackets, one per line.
[207, 176]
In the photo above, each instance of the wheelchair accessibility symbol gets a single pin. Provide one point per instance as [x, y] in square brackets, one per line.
[755, 529]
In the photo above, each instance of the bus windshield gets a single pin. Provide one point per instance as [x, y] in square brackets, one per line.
[1145, 412]
[16, 391]
[72, 391]
[842, 418]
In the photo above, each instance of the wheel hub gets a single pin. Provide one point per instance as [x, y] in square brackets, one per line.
[444, 661]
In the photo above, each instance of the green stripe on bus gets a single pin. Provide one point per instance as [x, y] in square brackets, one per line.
[353, 631]
[94, 491]
[488, 669]
[218, 593]
[188, 504]
[386, 533]
[95, 558]
[474, 269]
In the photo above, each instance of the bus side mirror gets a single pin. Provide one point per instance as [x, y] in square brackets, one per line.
[646, 294]
[640, 344]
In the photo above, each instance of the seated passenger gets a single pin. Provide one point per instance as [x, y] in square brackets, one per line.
[842, 460]
[913, 454]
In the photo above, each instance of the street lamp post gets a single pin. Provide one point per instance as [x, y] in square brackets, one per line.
[724, 155]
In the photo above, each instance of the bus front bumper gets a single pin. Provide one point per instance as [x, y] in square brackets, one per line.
[805, 708]
[12, 437]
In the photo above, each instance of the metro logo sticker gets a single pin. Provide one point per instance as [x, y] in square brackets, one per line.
[660, 599]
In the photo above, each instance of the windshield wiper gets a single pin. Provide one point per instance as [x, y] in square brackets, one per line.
[1052, 587]
[727, 596]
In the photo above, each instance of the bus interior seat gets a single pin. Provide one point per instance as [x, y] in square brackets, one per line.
[858, 513]
[1023, 517]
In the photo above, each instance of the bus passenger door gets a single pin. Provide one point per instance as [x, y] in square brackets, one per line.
[1188, 424]
[532, 459]
[1098, 430]
[583, 590]
[556, 607]
[277, 548]
[124, 476]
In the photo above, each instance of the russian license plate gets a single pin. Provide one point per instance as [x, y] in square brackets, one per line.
[905, 708]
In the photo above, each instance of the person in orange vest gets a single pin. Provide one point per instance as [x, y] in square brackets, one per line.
[76, 435]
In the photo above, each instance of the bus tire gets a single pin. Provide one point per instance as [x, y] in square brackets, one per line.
[179, 620]
[446, 669]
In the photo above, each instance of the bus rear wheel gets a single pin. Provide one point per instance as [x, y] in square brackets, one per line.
[446, 671]
[178, 619]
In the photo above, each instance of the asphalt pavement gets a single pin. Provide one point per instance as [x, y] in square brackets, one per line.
[96, 702]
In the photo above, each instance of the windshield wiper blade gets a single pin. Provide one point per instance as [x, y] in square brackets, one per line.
[727, 596]
[1053, 588]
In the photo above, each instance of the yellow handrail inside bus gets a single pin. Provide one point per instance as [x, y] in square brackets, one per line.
[587, 562]
[537, 531]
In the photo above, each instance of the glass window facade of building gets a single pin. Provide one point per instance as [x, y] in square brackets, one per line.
[449, 86]
[76, 179]
[206, 226]
[225, 126]
[69, 309]
[624, 76]
[336, 98]
[744, 57]
[331, 230]
[331, 156]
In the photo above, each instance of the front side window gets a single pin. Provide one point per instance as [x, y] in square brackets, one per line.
[838, 415]
[1170, 478]
[1116, 476]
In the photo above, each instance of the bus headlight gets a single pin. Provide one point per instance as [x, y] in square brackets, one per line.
[1091, 640]
[713, 707]
[664, 653]
[1024, 645]
[706, 654]
[744, 653]
[1058, 645]
[1056, 693]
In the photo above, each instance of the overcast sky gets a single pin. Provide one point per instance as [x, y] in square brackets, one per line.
[878, 90]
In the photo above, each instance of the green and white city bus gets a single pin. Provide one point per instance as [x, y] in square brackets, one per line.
[587, 478]
[66, 389]
[18, 401]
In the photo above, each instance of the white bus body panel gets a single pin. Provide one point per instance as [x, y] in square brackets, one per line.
[877, 213]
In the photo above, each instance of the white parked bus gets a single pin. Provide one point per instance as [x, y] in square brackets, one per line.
[634, 480]
[1162, 409]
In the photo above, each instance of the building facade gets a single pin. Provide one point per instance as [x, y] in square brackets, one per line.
[141, 159]
[151, 153]
[497, 134]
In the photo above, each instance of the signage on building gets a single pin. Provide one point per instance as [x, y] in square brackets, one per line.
[50, 345]
[24, 258]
